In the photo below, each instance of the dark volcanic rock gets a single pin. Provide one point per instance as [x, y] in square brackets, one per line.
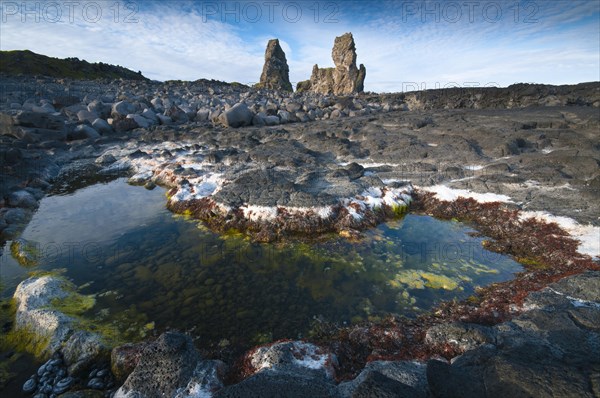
[276, 73]
[170, 365]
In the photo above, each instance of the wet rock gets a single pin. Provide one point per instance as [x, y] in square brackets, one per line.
[30, 386]
[82, 350]
[22, 199]
[124, 359]
[237, 116]
[34, 297]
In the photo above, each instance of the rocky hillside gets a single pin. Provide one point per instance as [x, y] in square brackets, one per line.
[25, 62]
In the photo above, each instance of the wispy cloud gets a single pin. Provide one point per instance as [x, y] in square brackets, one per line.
[548, 41]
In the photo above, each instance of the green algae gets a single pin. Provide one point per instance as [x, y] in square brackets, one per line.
[26, 253]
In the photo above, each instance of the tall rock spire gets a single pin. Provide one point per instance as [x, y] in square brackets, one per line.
[276, 73]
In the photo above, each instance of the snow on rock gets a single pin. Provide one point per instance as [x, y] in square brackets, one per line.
[448, 194]
[291, 356]
[587, 235]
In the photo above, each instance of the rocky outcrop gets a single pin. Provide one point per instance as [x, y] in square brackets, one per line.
[345, 78]
[172, 367]
[276, 73]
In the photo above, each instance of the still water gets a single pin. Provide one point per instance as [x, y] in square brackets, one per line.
[150, 270]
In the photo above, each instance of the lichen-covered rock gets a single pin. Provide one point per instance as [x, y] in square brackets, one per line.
[276, 73]
[48, 327]
[345, 78]
[171, 367]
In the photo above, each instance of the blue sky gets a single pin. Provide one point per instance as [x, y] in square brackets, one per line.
[404, 44]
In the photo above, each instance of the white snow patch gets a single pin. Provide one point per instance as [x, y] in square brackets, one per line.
[260, 213]
[474, 167]
[547, 150]
[587, 235]
[443, 192]
[577, 302]
[199, 188]
[432, 144]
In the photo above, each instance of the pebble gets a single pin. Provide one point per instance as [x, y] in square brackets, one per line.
[30, 386]
[96, 383]
[63, 385]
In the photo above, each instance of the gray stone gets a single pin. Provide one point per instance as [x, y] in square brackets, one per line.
[82, 350]
[40, 120]
[272, 121]
[150, 115]
[34, 297]
[102, 126]
[202, 115]
[164, 368]
[270, 385]
[122, 109]
[164, 120]
[82, 132]
[461, 336]
[22, 199]
[89, 116]
[237, 116]
[140, 120]
[177, 114]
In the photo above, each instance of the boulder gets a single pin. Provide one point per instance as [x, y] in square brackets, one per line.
[102, 126]
[82, 132]
[237, 116]
[87, 116]
[82, 350]
[276, 73]
[122, 109]
[172, 367]
[40, 120]
[46, 328]
[177, 114]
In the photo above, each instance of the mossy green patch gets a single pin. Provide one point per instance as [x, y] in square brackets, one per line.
[74, 304]
[25, 253]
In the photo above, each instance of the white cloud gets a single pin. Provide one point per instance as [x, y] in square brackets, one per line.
[174, 40]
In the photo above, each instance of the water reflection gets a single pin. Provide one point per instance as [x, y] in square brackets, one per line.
[150, 268]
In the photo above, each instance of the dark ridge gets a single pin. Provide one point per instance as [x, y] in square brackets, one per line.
[15, 63]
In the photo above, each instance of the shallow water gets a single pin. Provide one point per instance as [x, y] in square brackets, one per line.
[150, 270]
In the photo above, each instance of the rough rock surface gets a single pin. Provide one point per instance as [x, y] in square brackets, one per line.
[552, 349]
[345, 78]
[171, 367]
[34, 297]
[276, 73]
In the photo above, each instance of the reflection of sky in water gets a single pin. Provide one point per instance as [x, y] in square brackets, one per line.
[144, 263]
[90, 218]
[109, 209]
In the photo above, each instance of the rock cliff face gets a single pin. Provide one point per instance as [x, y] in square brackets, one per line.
[276, 73]
[345, 78]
